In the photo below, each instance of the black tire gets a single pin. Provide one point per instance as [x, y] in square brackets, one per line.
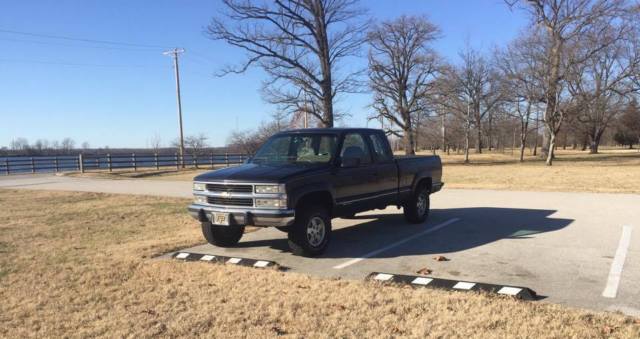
[412, 212]
[223, 236]
[284, 229]
[305, 237]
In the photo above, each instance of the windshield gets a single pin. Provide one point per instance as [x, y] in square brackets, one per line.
[297, 148]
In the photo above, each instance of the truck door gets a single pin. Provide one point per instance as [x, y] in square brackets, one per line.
[385, 170]
[354, 185]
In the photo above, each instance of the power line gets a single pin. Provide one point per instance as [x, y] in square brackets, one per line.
[65, 63]
[50, 36]
[48, 43]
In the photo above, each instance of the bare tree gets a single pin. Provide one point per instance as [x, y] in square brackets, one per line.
[478, 80]
[67, 145]
[299, 44]
[196, 143]
[85, 145]
[249, 141]
[565, 22]
[402, 70]
[520, 67]
[628, 126]
[604, 83]
[155, 142]
[470, 91]
[19, 144]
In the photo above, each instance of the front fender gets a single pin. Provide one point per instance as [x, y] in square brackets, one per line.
[301, 191]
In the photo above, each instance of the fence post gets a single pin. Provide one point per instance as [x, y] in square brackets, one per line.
[226, 159]
[177, 162]
[195, 160]
[109, 162]
[211, 160]
[80, 163]
[55, 162]
[6, 166]
[33, 166]
[155, 160]
[135, 165]
[98, 162]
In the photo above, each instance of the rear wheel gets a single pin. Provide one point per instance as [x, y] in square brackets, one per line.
[223, 236]
[309, 235]
[416, 210]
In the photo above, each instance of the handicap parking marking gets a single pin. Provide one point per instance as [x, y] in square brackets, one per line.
[395, 244]
[615, 274]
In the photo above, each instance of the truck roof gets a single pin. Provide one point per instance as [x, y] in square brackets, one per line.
[335, 130]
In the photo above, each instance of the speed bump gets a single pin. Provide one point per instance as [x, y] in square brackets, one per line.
[518, 292]
[188, 256]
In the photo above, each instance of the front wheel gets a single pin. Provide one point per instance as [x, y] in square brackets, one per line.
[310, 234]
[223, 236]
[416, 210]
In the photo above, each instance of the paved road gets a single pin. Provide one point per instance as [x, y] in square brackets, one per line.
[569, 247]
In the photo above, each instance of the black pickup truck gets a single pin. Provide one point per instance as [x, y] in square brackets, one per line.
[300, 179]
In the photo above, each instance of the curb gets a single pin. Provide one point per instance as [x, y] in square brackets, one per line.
[187, 256]
[518, 292]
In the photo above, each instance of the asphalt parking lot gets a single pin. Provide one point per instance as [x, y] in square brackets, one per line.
[577, 249]
[561, 245]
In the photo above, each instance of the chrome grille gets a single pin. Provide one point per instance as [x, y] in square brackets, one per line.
[230, 201]
[230, 188]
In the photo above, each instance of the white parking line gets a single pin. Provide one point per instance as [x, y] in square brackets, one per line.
[611, 290]
[397, 243]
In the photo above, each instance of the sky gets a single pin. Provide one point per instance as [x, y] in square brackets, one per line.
[124, 95]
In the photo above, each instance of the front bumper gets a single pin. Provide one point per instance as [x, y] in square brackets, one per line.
[241, 216]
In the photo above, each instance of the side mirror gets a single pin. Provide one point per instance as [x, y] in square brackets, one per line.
[350, 162]
[247, 160]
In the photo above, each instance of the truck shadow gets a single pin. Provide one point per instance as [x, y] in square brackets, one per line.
[477, 226]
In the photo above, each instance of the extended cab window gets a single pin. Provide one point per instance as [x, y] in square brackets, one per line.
[297, 148]
[355, 147]
[380, 149]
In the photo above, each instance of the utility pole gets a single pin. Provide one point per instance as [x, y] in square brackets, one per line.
[174, 53]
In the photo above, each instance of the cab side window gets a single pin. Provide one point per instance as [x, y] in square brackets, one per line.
[355, 147]
[380, 151]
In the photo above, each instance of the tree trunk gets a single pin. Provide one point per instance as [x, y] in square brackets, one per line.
[408, 142]
[552, 147]
[479, 141]
[546, 138]
[595, 142]
[466, 146]
[490, 136]
[523, 138]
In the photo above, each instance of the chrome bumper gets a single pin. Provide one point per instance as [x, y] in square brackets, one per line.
[248, 216]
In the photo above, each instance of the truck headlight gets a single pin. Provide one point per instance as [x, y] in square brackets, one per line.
[269, 189]
[200, 199]
[198, 186]
[272, 203]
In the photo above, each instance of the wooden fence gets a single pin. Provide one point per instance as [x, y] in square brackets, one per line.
[111, 162]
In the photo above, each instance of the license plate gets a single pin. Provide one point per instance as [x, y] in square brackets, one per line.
[220, 218]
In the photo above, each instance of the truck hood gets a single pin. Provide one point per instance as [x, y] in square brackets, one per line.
[258, 173]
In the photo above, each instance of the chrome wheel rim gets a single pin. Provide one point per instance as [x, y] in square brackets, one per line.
[315, 231]
[421, 204]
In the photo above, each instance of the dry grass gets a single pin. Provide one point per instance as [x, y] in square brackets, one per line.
[614, 171]
[77, 265]
[152, 174]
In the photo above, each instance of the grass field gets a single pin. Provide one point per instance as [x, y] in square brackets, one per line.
[613, 170]
[80, 265]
